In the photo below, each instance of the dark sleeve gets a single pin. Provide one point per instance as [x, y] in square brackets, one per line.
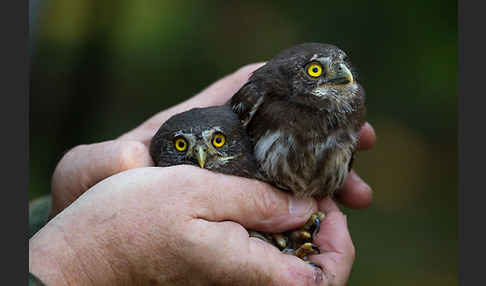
[34, 281]
[39, 210]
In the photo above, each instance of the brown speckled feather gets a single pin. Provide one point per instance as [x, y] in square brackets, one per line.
[304, 129]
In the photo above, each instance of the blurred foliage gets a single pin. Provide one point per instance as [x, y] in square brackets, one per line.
[99, 68]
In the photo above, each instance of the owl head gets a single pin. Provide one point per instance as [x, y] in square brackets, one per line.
[211, 138]
[312, 74]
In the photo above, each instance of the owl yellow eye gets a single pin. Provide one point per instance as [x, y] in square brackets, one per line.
[219, 140]
[314, 69]
[181, 144]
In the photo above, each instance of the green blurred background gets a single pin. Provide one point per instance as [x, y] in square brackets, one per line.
[99, 68]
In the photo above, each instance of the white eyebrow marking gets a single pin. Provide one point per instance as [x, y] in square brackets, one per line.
[207, 134]
[318, 58]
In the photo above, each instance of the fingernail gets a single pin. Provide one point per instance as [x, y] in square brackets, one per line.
[300, 207]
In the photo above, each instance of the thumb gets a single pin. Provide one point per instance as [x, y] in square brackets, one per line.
[85, 165]
[251, 203]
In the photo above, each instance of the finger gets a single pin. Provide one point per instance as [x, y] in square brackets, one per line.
[367, 137]
[249, 260]
[334, 241]
[86, 165]
[216, 94]
[252, 203]
[222, 90]
[355, 193]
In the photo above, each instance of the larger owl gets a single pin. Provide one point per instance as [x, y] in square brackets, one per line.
[303, 111]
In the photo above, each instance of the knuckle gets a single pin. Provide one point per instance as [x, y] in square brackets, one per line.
[67, 180]
[63, 166]
[74, 152]
[267, 203]
[132, 154]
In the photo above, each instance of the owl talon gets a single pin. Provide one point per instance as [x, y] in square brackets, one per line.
[280, 240]
[298, 237]
[317, 227]
[314, 223]
[306, 249]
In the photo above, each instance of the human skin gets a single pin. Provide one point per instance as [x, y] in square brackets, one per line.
[131, 227]
[134, 229]
[85, 165]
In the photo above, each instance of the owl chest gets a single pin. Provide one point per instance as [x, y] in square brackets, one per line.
[312, 167]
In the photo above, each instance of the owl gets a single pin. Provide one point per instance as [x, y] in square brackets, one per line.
[214, 139]
[211, 138]
[303, 111]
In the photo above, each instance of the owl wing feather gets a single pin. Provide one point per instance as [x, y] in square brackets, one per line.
[246, 101]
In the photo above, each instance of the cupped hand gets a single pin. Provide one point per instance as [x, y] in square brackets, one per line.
[85, 165]
[184, 225]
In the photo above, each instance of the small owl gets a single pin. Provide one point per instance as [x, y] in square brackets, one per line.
[303, 111]
[212, 138]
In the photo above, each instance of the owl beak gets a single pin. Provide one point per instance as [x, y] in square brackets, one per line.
[343, 75]
[201, 155]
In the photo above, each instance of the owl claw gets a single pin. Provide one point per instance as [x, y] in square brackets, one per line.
[299, 237]
[280, 240]
[306, 249]
[297, 242]
[314, 223]
[317, 226]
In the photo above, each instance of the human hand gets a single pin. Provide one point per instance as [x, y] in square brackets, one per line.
[134, 228]
[85, 165]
